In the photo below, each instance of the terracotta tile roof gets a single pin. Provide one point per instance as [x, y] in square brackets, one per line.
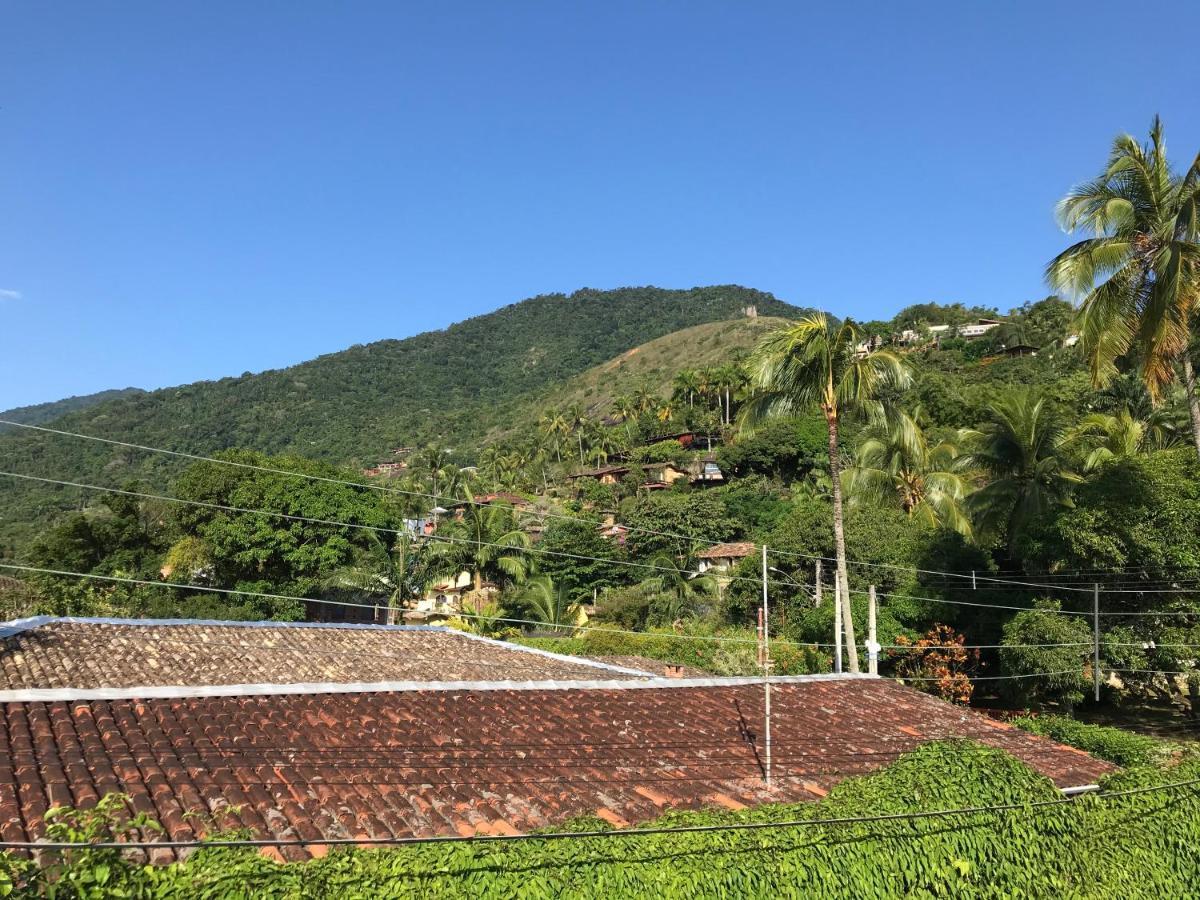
[83, 654]
[446, 762]
[727, 551]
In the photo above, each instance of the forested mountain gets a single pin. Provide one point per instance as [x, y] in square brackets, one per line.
[40, 413]
[451, 387]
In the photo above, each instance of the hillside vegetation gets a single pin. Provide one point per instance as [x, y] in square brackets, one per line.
[651, 366]
[41, 413]
[450, 387]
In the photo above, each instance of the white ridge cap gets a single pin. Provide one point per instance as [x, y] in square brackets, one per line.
[169, 692]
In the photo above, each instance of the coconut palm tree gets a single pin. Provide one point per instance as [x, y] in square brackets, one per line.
[812, 362]
[578, 421]
[678, 587]
[1164, 423]
[1103, 437]
[644, 399]
[685, 386]
[548, 603]
[554, 426]
[896, 460]
[387, 573]
[488, 543]
[1138, 273]
[1023, 451]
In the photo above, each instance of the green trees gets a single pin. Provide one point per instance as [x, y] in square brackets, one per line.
[1139, 271]
[488, 543]
[379, 572]
[814, 363]
[675, 591]
[549, 603]
[1046, 641]
[896, 461]
[1021, 452]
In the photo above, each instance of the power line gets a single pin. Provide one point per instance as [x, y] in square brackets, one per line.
[437, 538]
[330, 480]
[468, 541]
[629, 832]
[375, 606]
[437, 498]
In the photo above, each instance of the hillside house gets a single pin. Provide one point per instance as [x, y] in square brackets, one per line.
[386, 470]
[977, 329]
[314, 732]
[604, 475]
[706, 471]
[723, 557]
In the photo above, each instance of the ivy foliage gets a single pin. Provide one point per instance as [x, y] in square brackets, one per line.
[1049, 850]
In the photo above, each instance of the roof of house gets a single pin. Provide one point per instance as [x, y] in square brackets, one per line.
[734, 550]
[604, 470]
[88, 655]
[315, 766]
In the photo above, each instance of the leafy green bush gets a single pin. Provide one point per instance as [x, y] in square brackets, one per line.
[722, 652]
[1040, 848]
[1114, 744]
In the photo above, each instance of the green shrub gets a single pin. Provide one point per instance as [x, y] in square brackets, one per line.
[1114, 744]
[720, 651]
[1137, 845]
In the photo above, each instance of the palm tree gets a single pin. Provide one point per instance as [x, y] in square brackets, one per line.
[810, 362]
[644, 399]
[554, 427]
[578, 422]
[685, 385]
[678, 586]
[382, 571]
[666, 413]
[487, 543]
[1023, 453]
[625, 408]
[1105, 437]
[1163, 423]
[1139, 272]
[548, 603]
[895, 459]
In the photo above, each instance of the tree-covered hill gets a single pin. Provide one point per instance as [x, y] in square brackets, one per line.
[40, 413]
[451, 386]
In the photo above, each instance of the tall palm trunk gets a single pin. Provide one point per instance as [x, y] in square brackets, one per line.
[1189, 383]
[839, 539]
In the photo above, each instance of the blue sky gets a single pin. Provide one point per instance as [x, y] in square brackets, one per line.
[196, 190]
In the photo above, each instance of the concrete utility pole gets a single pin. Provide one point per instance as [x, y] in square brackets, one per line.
[872, 638]
[766, 671]
[837, 624]
[1096, 639]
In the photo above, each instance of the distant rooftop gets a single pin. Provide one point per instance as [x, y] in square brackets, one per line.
[82, 655]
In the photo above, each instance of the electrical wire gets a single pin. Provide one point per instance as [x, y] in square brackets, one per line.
[341, 603]
[973, 576]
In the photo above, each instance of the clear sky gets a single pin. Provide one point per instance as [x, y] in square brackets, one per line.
[191, 190]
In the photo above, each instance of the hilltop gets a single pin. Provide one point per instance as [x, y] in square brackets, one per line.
[452, 386]
[40, 413]
[651, 365]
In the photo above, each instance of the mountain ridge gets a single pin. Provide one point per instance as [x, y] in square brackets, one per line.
[448, 386]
